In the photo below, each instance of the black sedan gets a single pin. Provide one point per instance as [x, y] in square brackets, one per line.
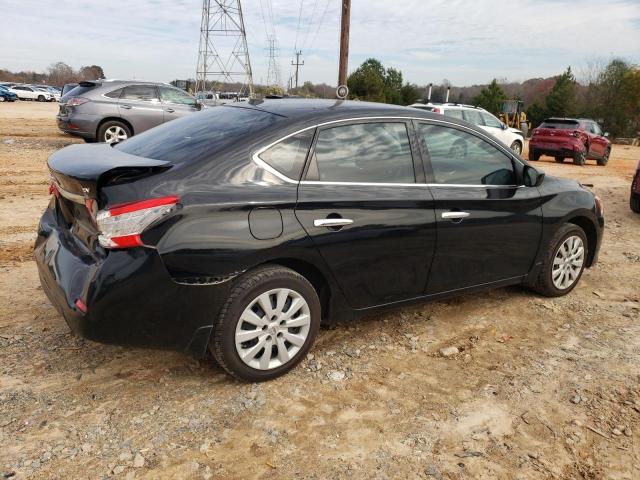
[241, 229]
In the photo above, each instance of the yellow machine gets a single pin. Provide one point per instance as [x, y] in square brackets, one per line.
[513, 115]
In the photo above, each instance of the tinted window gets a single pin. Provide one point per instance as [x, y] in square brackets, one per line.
[139, 92]
[288, 156]
[490, 120]
[366, 152]
[458, 157]
[114, 94]
[453, 113]
[173, 95]
[473, 116]
[560, 124]
[199, 136]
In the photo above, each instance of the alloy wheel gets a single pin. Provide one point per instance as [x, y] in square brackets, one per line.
[115, 134]
[568, 262]
[272, 329]
[516, 147]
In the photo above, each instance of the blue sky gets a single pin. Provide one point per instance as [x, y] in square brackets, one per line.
[464, 41]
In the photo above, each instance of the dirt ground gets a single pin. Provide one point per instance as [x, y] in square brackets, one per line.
[542, 388]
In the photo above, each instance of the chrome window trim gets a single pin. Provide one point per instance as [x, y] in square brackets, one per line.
[264, 165]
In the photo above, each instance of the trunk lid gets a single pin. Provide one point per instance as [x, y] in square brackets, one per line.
[78, 173]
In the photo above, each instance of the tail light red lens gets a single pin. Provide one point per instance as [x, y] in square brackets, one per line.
[121, 225]
[437, 110]
[75, 101]
[53, 189]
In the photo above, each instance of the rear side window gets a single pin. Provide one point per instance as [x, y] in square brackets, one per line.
[453, 113]
[365, 152]
[114, 94]
[473, 116]
[459, 158]
[288, 155]
[146, 93]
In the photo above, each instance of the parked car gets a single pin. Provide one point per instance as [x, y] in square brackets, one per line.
[241, 228]
[511, 137]
[55, 93]
[26, 92]
[634, 200]
[579, 139]
[210, 99]
[7, 95]
[113, 110]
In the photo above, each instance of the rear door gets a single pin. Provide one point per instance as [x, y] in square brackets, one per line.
[176, 103]
[140, 106]
[364, 204]
[488, 226]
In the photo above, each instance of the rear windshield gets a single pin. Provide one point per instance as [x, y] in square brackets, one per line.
[77, 91]
[200, 135]
[560, 124]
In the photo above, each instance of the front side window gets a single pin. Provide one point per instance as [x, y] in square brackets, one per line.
[173, 95]
[288, 155]
[460, 158]
[364, 153]
[490, 120]
[140, 92]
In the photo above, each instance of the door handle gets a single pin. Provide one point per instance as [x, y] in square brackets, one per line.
[332, 222]
[170, 110]
[455, 215]
[128, 107]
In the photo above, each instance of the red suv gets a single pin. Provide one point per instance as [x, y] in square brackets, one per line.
[578, 139]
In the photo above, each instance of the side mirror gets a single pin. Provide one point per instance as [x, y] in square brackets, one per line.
[532, 177]
[504, 126]
[606, 134]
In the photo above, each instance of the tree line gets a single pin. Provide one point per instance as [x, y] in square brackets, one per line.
[57, 74]
[610, 94]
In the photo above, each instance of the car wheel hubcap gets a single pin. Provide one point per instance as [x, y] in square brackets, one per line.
[272, 329]
[516, 148]
[115, 134]
[567, 263]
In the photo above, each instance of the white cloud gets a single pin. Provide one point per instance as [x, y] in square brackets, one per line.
[466, 41]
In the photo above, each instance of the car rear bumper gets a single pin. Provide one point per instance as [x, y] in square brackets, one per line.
[81, 125]
[554, 147]
[129, 296]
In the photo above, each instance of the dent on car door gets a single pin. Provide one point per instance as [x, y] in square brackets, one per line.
[141, 107]
[370, 220]
[489, 226]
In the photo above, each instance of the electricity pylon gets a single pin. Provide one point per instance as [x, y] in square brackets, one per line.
[273, 72]
[223, 55]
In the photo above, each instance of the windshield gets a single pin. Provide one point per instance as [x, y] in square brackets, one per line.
[560, 124]
[199, 136]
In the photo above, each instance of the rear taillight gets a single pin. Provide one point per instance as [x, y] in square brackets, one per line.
[53, 189]
[75, 101]
[121, 225]
[437, 110]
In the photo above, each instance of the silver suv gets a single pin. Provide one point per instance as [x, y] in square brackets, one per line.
[114, 110]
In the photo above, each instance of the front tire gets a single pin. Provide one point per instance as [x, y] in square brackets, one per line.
[516, 146]
[634, 202]
[533, 155]
[267, 325]
[113, 132]
[559, 159]
[565, 261]
[605, 158]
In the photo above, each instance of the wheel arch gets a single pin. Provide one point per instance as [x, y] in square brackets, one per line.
[590, 230]
[114, 119]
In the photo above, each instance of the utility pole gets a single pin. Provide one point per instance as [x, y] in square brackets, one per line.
[344, 42]
[297, 64]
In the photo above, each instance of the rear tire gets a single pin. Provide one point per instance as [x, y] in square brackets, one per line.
[561, 262]
[290, 299]
[41, 98]
[113, 132]
[533, 155]
[579, 158]
[605, 158]
[1, 99]
[516, 146]
[634, 202]
[559, 159]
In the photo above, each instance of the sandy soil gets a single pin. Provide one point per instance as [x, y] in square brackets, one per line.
[540, 389]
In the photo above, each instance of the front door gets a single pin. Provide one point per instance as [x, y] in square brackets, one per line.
[489, 226]
[373, 224]
[140, 106]
[176, 103]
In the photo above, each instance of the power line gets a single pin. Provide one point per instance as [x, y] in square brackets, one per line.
[313, 12]
[295, 45]
[322, 17]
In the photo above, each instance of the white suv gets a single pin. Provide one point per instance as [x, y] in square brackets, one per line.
[512, 137]
[26, 92]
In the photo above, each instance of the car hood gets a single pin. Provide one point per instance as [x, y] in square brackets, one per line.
[515, 130]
